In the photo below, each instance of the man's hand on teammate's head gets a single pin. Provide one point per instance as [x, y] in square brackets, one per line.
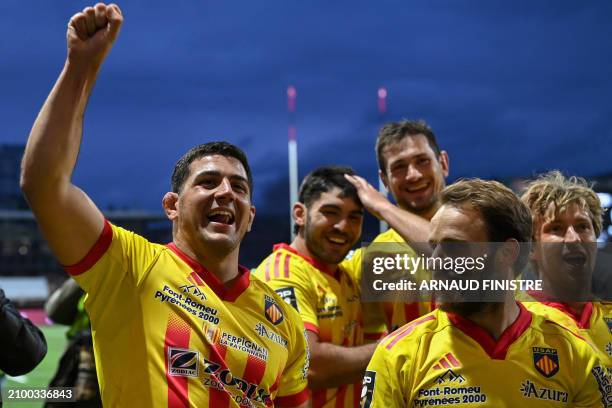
[370, 197]
[91, 34]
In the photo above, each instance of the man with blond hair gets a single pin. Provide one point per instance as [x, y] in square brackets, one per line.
[567, 218]
[485, 354]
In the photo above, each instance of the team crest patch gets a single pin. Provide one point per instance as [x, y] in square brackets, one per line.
[546, 361]
[273, 312]
[183, 362]
[213, 334]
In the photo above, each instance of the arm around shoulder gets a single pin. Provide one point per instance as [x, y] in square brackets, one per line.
[332, 366]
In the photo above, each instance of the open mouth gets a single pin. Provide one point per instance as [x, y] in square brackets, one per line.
[575, 258]
[221, 216]
[418, 188]
[337, 240]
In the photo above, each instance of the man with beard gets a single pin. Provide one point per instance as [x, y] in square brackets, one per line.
[413, 168]
[567, 219]
[490, 354]
[173, 325]
[328, 219]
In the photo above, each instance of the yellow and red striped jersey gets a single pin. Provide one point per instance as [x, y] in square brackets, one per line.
[443, 359]
[168, 333]
[393, 314]
[594, 324]
[328, 303]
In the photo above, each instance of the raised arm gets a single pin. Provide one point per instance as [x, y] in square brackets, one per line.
[69, 220]
[411, 227]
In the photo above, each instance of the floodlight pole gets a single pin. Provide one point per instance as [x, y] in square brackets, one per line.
[293, 164]
[382, 110]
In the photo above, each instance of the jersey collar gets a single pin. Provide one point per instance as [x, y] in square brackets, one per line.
[320, 266]
[226, 294]
[495, 349]
[582, 320]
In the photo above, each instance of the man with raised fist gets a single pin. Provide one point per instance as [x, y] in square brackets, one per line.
[176, 325]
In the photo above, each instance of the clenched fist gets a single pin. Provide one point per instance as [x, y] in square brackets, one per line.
[91, 34]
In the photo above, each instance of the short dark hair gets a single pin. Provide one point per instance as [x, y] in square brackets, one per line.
[181, 169]
[504, 214]
[394, 132]
[324, 179]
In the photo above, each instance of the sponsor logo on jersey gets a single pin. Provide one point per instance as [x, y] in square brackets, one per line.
[448, 395]
[186, 301]
[330, 308]
[329, 311]
[261, 330]
[273, 312]
[307, 362]
[546, 361]
[183, 362]
[531, 390]
[446, 362]
[608, 321]
[245, 345]
[288, 295]
[449, 376]
[602, 376]
[193, 290]
[367, 390]
[222, 378]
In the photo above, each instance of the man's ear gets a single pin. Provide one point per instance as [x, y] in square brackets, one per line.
[251, 217]
[299, 214]
[170, 205]
[384, 179]
[508, 253]
[444, 163]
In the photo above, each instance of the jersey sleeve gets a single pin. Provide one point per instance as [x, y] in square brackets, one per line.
[114, 266]
[374, 323]
[352, 265]
[597, 389]
[382, 385]
[290, 280]
[293, 385]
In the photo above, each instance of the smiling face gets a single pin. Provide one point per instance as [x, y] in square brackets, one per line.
[414, 175]
[213, 209]
[331, 225]
[566, 251]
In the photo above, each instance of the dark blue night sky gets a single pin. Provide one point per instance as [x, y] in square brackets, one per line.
[510, 87]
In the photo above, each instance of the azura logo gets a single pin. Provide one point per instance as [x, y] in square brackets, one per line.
[530, 390]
